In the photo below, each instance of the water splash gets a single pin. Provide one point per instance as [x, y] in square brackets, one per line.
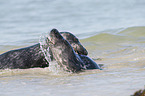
[44, 46]
[56, 69]
[53, 66]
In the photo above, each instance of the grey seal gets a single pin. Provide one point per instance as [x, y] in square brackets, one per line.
[80, 50]
[63, 52]
[65, 55]
[32, 56]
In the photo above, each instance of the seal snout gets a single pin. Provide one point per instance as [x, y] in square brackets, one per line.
[54, 33]
[54, 30]
[55, 36]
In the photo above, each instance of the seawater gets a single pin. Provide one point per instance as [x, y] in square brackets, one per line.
[112, 31]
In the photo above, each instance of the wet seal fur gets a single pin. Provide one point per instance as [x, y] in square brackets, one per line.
[32, 56]
[63, 52]
[80, 50]
[28, 57]
[89, 63]
[65, 55]
[74, 41]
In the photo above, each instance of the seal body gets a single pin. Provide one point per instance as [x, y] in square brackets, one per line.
[89, 63]
[63, 53]
[28, 57]
[80, 50]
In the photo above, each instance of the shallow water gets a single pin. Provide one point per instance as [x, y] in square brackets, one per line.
[106, 29]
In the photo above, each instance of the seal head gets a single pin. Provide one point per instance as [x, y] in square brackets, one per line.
[75, 43]
[63, 53]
